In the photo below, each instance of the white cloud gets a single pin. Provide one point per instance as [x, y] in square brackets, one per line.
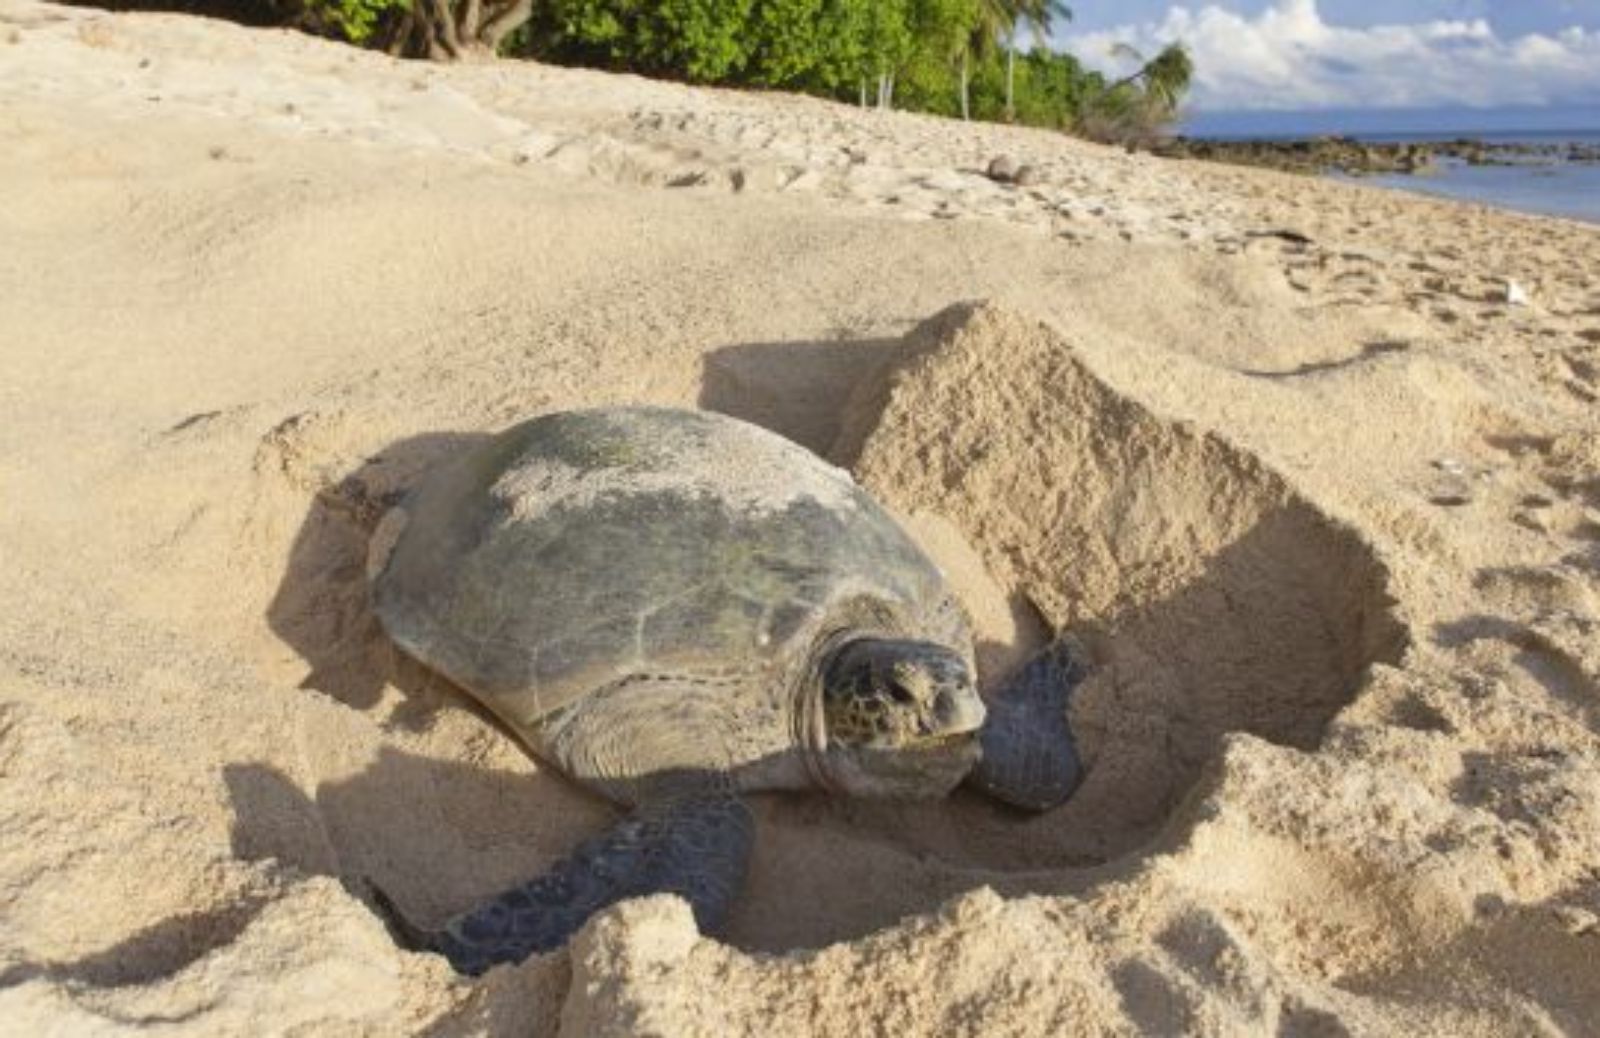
[1287, 57]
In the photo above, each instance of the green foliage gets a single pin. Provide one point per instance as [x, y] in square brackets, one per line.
[847, 49]
[842, 53]
[1051, 89]
[353, 20]
[886, 36]
[1167, 77]
[703, 38]
[1143, 104]
[705, 41]
[789, 44]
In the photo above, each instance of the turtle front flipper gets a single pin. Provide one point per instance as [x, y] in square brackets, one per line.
[697, 848]
[1030, 759]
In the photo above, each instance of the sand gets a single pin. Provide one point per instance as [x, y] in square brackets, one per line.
[1321, 507]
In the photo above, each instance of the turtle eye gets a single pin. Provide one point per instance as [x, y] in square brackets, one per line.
[900, 694]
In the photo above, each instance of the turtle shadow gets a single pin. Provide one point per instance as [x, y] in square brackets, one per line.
[441, 837]
[438, 836]
[322, 606]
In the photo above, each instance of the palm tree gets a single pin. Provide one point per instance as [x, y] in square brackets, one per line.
[1038, 14]
[1139, 104]
[994, 19]
[1164, 79]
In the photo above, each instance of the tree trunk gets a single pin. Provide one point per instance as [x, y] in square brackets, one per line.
[965, 109]
[862, 82]
[503, 21]
[1011, 68]
[452, 30]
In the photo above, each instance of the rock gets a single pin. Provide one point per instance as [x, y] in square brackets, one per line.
[1003, 169]
[1027, 176]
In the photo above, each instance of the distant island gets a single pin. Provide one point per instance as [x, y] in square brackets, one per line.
[1355, 157]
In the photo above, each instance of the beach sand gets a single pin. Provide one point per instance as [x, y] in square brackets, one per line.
[1319, 505]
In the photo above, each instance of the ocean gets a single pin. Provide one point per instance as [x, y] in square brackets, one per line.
[1550, 188]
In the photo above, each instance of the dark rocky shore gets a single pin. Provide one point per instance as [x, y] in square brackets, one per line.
[1354, 157]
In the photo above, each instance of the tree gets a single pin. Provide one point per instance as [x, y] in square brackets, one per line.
[702, 40]
[787, 42]
[942, 30]
[1037, 14]
[994, 20]
[453, 29]
[928, 55]
[1051, 88]
[438, 29]
[1142, 103]
[991, 19]
[1165, 78]
[842, 48]
[886, 43]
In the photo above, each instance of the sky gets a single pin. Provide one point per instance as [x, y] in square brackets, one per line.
[1297, 55]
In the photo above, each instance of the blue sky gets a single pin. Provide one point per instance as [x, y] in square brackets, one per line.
[1360, 54]
[1509, 17]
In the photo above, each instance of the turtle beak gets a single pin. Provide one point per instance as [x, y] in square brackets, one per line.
[958, 713]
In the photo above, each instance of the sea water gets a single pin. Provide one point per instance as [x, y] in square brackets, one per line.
[1533, 184]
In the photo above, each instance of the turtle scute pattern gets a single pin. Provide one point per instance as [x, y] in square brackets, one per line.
[582, 550]
[649, 599]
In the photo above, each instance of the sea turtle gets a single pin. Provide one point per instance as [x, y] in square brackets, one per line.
[675, 608]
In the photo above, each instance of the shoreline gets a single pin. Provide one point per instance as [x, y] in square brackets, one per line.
[1359, 156]
[1552, 178]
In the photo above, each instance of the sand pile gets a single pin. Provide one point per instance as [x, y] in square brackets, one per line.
[1210, 596]
[1318, 503]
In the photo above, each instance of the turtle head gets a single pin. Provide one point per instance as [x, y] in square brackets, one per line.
[901, 718]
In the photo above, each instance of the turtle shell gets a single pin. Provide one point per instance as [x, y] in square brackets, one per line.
[580, 549]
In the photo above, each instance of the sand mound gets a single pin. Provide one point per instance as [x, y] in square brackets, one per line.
[1210, 596]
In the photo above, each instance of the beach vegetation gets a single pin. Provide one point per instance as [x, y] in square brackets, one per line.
[1139, 106]
[959, 58]
[443, 30]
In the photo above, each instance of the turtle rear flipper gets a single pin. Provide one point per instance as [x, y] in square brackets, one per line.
[1029, 757]
[697, 848]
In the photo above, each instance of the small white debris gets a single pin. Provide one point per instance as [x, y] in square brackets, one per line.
[1576, 921]
[1516, 295]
